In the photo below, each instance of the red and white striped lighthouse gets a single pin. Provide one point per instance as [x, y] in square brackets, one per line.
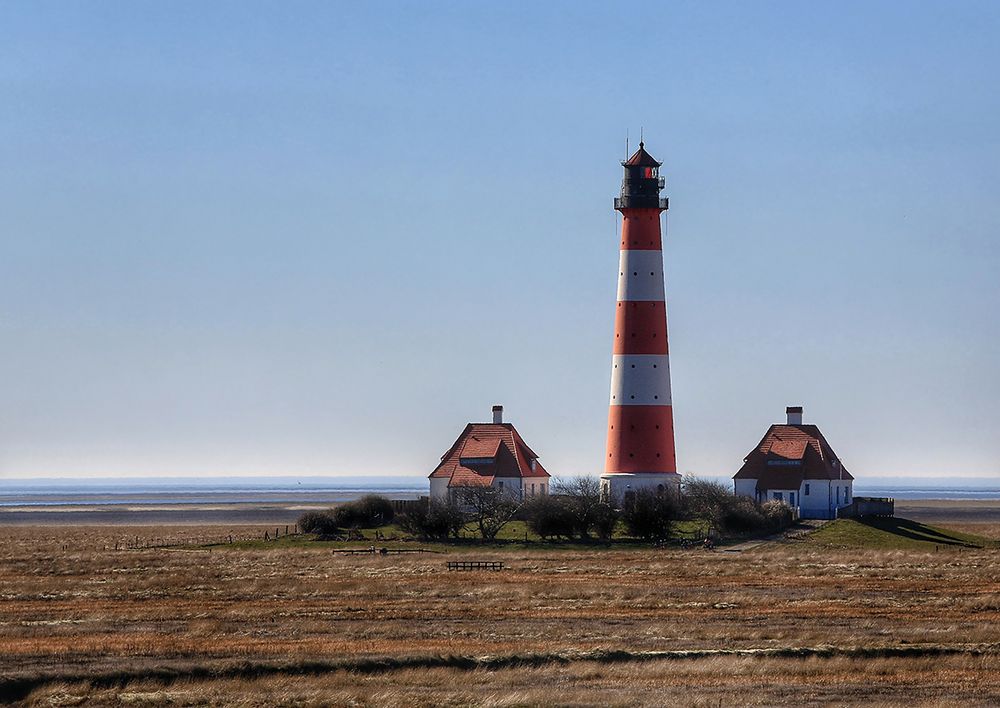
[640, 452]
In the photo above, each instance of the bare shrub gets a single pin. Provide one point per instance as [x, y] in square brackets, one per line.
[605, 520]
[369, 511]
[649, 515]
[550, 517]
[436, 521]
[719, 508]
[778, 515]
[706, 501]
[321, 523]
[741, 515]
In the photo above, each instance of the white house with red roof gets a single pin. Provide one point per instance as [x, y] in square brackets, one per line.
[793, 463]
[493, 455]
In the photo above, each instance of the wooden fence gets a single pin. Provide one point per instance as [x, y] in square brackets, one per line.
[475, 565]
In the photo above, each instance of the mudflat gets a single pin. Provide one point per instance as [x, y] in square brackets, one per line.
[152, 512]
[165, 510]
[935, 511]
[158, 514]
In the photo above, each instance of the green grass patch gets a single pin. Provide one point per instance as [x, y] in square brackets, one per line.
[892, 534]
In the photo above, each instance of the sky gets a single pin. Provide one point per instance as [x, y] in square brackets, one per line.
[318, 238]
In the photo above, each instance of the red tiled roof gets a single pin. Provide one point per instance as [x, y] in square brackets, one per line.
[788, 449]
[789, 454]
[484, 451]
[481, 446]
[641, 158]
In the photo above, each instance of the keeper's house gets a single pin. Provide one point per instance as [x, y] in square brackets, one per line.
[490, 454]
[794, 463]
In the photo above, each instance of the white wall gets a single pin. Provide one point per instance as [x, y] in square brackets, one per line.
[820, 502]
[745, 487]
[514, 486]
[511, 486]
[541, 485]
[817, 501]
[615, 485]
[439, 488]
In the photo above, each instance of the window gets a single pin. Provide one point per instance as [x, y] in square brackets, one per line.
[532, 489]
[847, 495]
[466, 461]
[501, 485]
[807, 489]
[791, 499]
[778, 496]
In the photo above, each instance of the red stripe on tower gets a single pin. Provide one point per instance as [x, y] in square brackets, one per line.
[640, 450]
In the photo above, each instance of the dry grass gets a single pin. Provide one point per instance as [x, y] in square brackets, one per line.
[72, 607]
[956, 680]
[989, 529]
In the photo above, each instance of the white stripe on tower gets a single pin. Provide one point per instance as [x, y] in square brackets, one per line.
[640, 276]
[640, 380]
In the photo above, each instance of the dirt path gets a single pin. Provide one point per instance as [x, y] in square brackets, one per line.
[802, 528]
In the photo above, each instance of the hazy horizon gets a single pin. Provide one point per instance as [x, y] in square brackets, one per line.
[868, 481]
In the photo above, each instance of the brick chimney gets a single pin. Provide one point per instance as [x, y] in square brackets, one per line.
[794, 414]
[498, 414]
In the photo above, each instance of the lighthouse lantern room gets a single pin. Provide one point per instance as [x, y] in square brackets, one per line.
[640, 449]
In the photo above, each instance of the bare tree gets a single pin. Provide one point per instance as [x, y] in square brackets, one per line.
[707, 501]
[489, 508]
[583, 498]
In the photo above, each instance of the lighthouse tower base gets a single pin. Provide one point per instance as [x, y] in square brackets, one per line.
[616, 485]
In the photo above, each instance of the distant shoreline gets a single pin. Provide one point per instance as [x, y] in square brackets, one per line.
[150, 508]
[247, 512]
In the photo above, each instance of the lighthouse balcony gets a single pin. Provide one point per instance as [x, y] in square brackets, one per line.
[642, 202]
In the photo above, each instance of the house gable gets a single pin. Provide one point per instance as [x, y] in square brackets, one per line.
[487, 451]
[788, 455]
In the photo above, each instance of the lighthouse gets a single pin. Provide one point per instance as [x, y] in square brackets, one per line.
[640, 450]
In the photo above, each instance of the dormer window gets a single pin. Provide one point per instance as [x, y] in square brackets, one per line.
[467, 461]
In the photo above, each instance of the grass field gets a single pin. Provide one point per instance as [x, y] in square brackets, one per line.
[897, 533]
[292, 622]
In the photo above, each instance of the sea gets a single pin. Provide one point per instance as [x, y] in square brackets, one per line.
[133, 491]
[56, 492]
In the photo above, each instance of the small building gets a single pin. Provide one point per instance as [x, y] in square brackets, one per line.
[794, 463]
[490, 454]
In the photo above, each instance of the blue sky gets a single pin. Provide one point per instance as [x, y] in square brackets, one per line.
[317, 238]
